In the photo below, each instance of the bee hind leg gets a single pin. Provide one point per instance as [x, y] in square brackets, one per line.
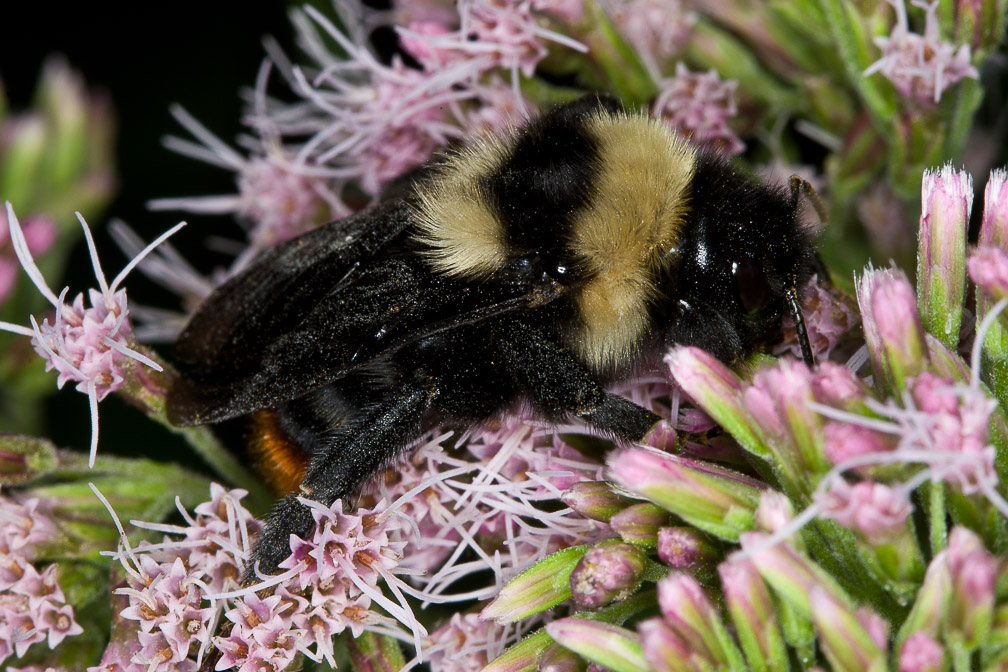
[358, 450]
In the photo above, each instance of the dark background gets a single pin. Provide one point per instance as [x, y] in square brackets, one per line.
[143, 56]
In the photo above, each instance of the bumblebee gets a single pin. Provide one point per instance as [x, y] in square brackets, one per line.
[534, 268]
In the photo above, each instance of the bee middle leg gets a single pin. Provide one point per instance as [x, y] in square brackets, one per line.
[558, 386]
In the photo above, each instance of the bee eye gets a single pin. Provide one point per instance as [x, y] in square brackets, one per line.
[752, 286]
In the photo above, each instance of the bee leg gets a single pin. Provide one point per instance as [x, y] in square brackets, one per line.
[358, 450]
[558, 386]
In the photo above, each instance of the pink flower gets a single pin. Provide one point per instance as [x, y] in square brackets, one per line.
[23, 527]
[492, 35]
[415, 41]
[698, 106]
[921, 67]
[946, 201]
[828, 319]
[873, 510]
[845, 441]
[262, 636]
[894, 333]
[921, 653]
[957, 421]
[279, 197]
[32, 607]
[837, 386]
[994, 223]
[774, 512]
[465, 643]
[657, 29]
[86, 345]
[988, 268]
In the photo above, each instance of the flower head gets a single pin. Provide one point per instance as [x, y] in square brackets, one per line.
[465, 643]
[921, 67]
[33, 608]
[88, 345]
[874, 510]
[698, 106]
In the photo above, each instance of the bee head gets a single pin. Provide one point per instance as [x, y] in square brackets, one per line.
[743, 259]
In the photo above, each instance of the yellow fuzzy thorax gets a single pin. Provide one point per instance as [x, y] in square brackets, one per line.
[623, 237]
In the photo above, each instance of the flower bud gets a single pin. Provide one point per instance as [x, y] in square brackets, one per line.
[988, 268]
[24, 145]
[838, 386]
[752, 611]
[608, 645]
[994, 223]
[371, 652]
[778, 400]
[893, 330]
[973, 571]
[791, 574]
[686, 549]
[543, 585]
[716, 500]
[693, 617]
[979, 23]
[718, 391]
[920, 653]
[559, 659]
[946, 200]
[932, 601]
[774, 511]
[664, 649]
[521, 656]
[638, 524]
[608, 572]
[595, 500]
[846, 643]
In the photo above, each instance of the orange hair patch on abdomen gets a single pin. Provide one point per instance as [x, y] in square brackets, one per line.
[278, 459]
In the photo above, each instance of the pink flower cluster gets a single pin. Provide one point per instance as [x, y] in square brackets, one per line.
[33, 608]
[491, 34]
[168, 585]
[491, 506]
[367, 121]
[698, 105]
[828, 319]
[657, 29]
[177, 590]
[77, 343]
[86, 345]
[943, 425]
[921, 67]
[465, 643]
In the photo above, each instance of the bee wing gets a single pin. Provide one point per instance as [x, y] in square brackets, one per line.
[312, 326]
[230, 328]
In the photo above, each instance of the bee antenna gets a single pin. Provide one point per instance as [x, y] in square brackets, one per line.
[799, 321]
[801, 187]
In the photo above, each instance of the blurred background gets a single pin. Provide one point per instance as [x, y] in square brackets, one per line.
[140, 58]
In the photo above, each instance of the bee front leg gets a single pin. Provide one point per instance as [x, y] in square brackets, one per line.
[358, 450]
[558, 386]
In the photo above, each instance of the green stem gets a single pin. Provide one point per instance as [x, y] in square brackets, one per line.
[937, 523]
